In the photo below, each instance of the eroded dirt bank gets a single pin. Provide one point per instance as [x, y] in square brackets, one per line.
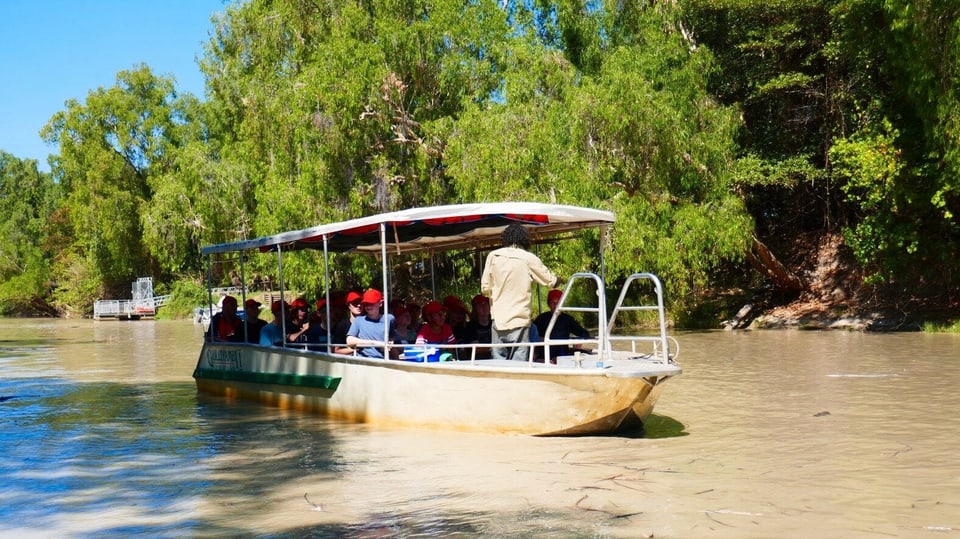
[836, 297]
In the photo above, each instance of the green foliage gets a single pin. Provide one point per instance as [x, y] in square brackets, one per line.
[338, 101]
[871, 167]
[27, 200]
[110, 146]
[185, 295]
[771, 61]
[939, 327]
[640, 136]
[900, 161]
[865, 93]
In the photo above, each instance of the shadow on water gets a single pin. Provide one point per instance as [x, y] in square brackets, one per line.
[141, 459]
[147, 452]
[656, 427]
[661, 426]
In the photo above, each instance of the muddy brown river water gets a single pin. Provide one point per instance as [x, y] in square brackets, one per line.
[776, 433]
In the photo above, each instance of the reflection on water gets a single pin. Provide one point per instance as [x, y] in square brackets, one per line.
[766, 434]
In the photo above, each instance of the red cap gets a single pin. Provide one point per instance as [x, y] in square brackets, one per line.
[480, 298]
[433, 307]
[554, 295]
[277, 305]
[299, 303]
[372, 295]
[321, 303]
[228, 299]
[353, 297]
[251, 304]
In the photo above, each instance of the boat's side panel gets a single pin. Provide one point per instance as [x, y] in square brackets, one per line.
[457, 396]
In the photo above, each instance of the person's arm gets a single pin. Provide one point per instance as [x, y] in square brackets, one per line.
[577, 329]
[541, 273]
[486, 280]
[340, 337]
[357, 342]
[292, 337]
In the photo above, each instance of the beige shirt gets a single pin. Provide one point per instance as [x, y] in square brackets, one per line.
[507, 277]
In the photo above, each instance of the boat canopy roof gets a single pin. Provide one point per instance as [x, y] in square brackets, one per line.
[437, 228]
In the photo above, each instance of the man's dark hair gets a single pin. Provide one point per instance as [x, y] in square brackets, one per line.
[515, 234]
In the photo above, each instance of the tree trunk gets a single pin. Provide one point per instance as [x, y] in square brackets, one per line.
[763, 259]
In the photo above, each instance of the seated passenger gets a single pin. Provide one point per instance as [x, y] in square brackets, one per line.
[415, 319]
[456, 316]
[480, 328]
[272, 333]
[565, 327]
[226, 326]
[436, 330]
[367, 332]
[298, 323]
[396, 303]
[354, 304]
[252, 320]
[402, 332]
[317, 334]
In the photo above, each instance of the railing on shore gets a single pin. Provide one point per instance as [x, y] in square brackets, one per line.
[128, 309]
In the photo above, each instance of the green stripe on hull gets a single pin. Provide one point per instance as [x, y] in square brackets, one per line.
[299, 380]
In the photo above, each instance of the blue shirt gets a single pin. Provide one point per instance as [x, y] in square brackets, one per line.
[271, 335]
[370, 330]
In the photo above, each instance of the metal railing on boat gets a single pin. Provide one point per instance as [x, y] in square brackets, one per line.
[661, 338]
[605, 331]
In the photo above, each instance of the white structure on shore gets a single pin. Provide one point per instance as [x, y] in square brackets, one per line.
[143, 305]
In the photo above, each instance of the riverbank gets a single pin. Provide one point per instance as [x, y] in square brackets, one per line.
[836, 296]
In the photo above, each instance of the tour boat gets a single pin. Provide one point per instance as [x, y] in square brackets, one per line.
[611, 386]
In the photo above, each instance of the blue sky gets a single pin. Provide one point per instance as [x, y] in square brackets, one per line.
[55, 50]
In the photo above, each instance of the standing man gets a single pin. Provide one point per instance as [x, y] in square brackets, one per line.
[507, 277]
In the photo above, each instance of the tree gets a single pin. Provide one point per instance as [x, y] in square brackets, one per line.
[110, 145]
[27, 200]
[632, 129]
[849, 108]
[899, 162]
[328, 110]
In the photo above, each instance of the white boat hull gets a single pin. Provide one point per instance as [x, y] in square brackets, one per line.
[483, 396]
